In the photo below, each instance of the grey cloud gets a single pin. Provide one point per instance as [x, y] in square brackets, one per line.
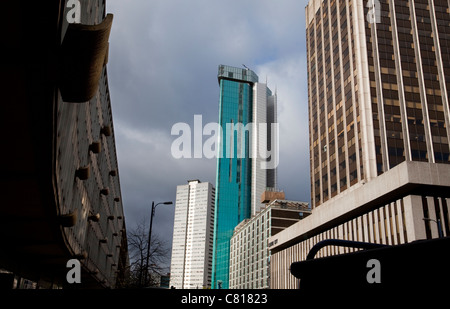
[162, 69]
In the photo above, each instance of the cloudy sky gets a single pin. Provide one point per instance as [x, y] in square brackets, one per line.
[162, 70]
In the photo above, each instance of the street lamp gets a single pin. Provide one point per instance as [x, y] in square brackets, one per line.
[150, 236]
[438, 221]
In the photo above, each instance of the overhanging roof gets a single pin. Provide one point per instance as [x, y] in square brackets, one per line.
[409, 177]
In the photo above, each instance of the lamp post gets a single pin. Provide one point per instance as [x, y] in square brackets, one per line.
[439, 226]
[150, 236]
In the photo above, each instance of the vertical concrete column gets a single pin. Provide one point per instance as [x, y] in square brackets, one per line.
[400, 222]
[432, 215]
[415, 227]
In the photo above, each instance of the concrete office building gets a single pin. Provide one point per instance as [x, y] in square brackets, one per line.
[247, 110]
[60, 180]
[378, 87]
[249, 246]
[192, 246]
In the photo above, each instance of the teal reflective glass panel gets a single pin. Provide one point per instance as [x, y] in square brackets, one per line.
[233, 177]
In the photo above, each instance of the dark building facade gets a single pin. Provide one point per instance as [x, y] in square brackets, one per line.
[60, 180]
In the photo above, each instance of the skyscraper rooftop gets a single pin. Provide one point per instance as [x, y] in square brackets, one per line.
[240, 74]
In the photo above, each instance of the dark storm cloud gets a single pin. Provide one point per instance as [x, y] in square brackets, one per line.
[162, 70]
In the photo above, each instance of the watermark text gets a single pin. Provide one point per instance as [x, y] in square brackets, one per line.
[234, 140]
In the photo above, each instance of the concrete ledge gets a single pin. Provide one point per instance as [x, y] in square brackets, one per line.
[83, 55]
[407, 178]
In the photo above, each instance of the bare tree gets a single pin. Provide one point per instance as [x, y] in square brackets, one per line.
[137, 247]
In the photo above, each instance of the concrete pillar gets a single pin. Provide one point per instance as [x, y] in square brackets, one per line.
[432, 215]
[415, 226]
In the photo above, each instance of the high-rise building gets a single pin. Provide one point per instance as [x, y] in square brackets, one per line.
[249, 246]
[378, 76]
[378, 88]
[61, 183]
[247, 157]
[192, 246]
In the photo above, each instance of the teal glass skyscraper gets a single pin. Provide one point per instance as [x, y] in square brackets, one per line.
[240, 182]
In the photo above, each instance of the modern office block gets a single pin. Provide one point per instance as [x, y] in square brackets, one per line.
[245, 109]
[249, 245]
[192, 246]
[378, 87]
[378, 76]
